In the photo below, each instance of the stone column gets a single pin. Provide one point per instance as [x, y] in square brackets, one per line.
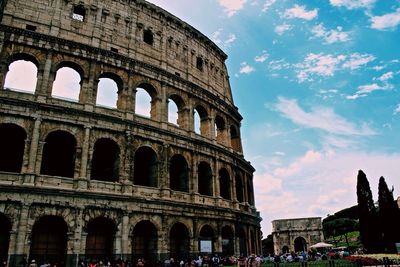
[216, 179]
[43, 86]
[156, 108]
[81, 182]
[126, 177]
[125, 254]
[22, 234]
[163, 104]
[89, 89]
[77, 239]
[164, 172]
[31, 172]
[246, 195]
[194, 188]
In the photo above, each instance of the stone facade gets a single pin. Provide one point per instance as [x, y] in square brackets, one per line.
[74, 167]
[296, 234]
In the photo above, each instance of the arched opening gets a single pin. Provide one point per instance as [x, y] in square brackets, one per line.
[224, 184]
[144, 104]
[146, 167]
[59, 153]
[148, 37]
[228, 248]
[144, 241]
[206, 239]
[100, 239]
[173, 110]
[239, 188]
[205, 179]
[219, 129]
[12, 146]
[67, 84]
[5, 228]
[179, 241]
[106, 160]
[21, 76]
[250, 192]
[285, 249]
[300, 244]
[235, 139]
[242, 242]
[179, 174]
[107, 93]
[176, 114]
[200, 121]
[49, 240]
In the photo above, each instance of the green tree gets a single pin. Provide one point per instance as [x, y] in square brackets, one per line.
[339, 228]
[369, 230]
[389, 217]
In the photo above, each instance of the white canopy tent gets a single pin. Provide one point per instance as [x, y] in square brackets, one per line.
[321, 245]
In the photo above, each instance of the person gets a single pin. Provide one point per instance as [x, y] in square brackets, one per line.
[33, 264]
[241, 262]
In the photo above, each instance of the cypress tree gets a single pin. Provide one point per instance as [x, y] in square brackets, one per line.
[389, 217]
[369, 230]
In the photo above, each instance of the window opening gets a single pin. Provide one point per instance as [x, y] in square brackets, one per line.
[107, 93]
[148, 37]
[143, 103]
[199, 63]
[21, 76]
[79, 13]
[67, 84]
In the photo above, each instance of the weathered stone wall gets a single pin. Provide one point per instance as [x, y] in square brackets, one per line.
[120, 25]
[285, 232]
[58, 41]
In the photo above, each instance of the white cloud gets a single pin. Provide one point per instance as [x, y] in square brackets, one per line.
[320, 118]
[281, 29]
[263, 57]
[300, 12]
[318, 183]
[387, 21]
[232, 6]
[386, 76]
[318, 64]
[357, 60]
[246, 68]
[330, 36]
[353, 4]
[276, 65]
[267, 5]
[217, 38]
[364, 90]
[397, 110]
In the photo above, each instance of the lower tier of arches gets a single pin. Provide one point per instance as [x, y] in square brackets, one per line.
[66, 230]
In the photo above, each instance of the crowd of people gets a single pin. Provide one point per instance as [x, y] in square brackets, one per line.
[203, 260]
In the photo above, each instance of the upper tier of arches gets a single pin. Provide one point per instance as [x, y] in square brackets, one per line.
[114, 89]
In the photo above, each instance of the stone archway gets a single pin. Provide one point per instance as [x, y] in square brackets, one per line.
[144, 241]
[49, 240]
[300, 244]
[5, 228]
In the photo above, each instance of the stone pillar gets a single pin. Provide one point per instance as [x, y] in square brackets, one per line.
[156, 108]
[125, 238]
[12, 260]
[208, 128]
[194, 188]
[81, 182]
[164, 104]
[22, 230]
[29, 177]
[89, 89]
[44, 86]
[164, 172]
[163, 239]
[245, 195]
[184, 118]
[75, 255]
[216, 179]
[127, 174]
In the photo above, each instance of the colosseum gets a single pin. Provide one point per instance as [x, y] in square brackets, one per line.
[87, 171]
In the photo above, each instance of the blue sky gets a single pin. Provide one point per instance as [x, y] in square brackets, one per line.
[317, 83]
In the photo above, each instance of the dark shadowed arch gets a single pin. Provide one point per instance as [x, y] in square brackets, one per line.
[146, 167]
[100, 239]
[239, 188]
[207, 234]
[5, 228]
[300, 244]
[179, 241]
[179, 174]
[228, 248]
[144, 241]
[106, 160]
[235, 139]
[224, 184]
[242, 242]
[12, 146]
[49, 240]
[59, 153]
[205, 179]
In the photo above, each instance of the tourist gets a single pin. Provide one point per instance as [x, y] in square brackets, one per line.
[33, 264]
